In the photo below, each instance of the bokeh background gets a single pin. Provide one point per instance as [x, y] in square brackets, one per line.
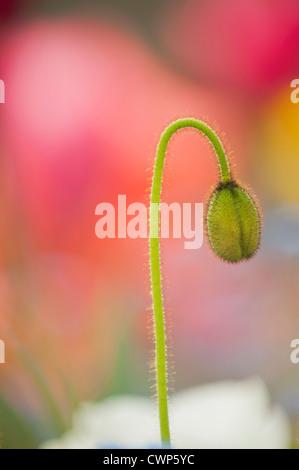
[89, 87]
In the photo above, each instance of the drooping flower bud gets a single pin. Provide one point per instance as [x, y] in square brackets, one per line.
[233, 222]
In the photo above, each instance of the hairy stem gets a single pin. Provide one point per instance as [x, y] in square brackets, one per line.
[155, 265]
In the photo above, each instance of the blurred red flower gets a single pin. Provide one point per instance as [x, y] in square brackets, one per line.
[9, 9]
[251, 44]
[85, 103]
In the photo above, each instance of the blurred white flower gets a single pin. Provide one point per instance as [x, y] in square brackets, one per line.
[232, 414]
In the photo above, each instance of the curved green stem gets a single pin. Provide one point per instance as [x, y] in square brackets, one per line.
[155, 268]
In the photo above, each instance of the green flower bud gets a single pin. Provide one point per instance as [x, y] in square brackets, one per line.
[233, 222]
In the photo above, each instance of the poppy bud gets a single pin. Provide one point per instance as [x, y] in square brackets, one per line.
[233, 222]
